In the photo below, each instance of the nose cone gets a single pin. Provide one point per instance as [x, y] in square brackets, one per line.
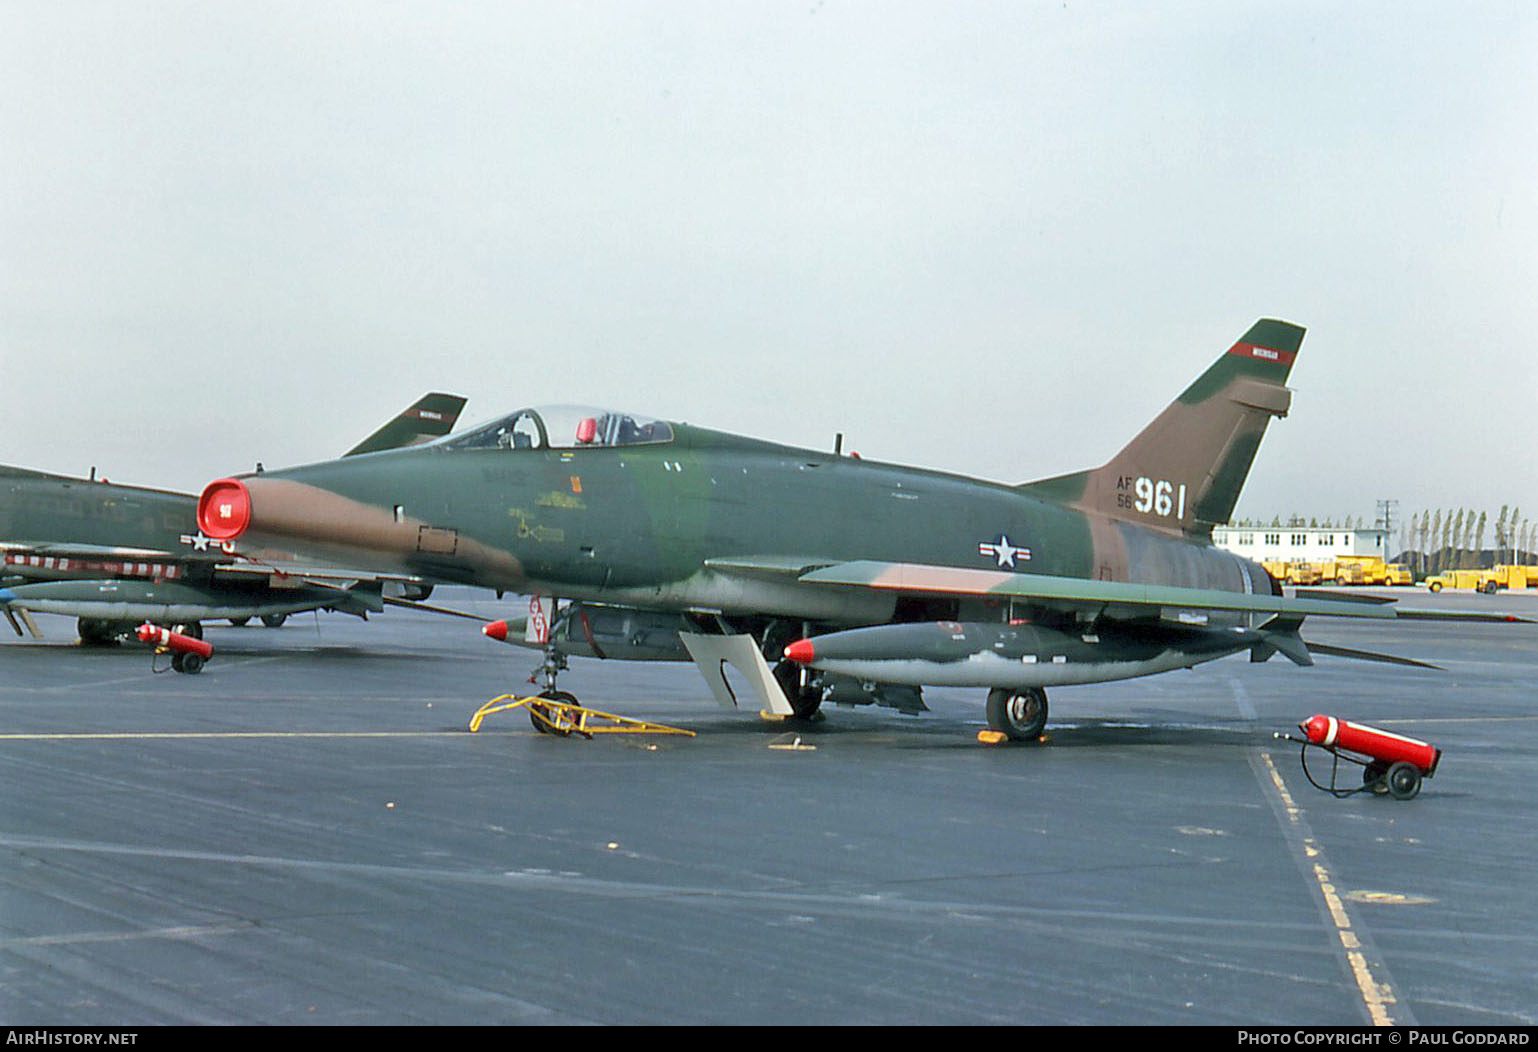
[496, 630]
[802, 652]
[224, 509]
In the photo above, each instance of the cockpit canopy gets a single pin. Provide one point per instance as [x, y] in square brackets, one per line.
[562, 427]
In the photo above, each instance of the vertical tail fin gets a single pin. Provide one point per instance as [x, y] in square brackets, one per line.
[427, 418]
[1184, 471]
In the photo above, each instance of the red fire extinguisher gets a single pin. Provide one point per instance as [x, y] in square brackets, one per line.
[1392, 763]
[187, 654]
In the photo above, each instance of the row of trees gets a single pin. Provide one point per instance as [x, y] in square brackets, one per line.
[1455, 539]
[1437, 540]
[1277, 522]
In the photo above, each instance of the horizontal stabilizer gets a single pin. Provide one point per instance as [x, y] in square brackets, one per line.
[1413, 615]
[1368, 655]
[1344, 597]
[1465, 615]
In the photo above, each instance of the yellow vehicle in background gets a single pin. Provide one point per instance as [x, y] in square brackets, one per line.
[1303, 573]
[1399, 574]
[1455, 579]
[1358, 569]
[1487, 581]
[1350, 573]
[1294, 573]
[1511, 577]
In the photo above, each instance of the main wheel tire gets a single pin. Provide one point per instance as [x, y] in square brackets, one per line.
[95, 632]
[1403, 780]
[804, 701]
[274, 620]
[1372, 777]
[1019, 715]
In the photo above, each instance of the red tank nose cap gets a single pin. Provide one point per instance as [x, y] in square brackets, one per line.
[801, 652]
[496, 630]
[224, 509]
[1319, 729]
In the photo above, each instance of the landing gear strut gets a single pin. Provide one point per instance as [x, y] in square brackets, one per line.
[805, 699]
[545, 676]
[99, 632]
[553, 665]
[1019, 715]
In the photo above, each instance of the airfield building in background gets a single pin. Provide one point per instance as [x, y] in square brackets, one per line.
[1292, 544]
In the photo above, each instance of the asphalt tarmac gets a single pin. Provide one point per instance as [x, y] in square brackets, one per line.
[307, 832]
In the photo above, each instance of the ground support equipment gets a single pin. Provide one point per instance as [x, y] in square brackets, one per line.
[563, 717]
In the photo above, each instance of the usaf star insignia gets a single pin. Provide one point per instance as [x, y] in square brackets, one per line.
[1003, 551]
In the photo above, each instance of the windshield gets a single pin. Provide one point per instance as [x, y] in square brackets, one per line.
[562, 427]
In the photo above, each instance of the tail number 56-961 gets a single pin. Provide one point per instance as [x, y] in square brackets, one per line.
[1157, 496]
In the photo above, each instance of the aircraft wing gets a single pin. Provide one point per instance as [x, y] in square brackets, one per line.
[1110, 598]
[76, 560]
[104, 583]
[50, 561]
[56, 550]
[335, 576]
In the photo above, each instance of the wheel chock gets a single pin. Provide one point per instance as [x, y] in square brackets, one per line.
[993, 737]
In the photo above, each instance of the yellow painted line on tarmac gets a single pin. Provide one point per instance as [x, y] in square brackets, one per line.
[1377, 997]
[144, 735]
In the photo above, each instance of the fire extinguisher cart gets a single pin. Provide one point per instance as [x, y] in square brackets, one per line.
[188, 653]
[1391, 763]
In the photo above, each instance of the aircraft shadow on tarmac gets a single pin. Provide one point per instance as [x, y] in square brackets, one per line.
[1119, 731]
[957, 731]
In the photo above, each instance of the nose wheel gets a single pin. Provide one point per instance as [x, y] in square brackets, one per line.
[555, 721]
[1021, 716]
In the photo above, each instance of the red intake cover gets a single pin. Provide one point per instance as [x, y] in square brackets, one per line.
[224, 509]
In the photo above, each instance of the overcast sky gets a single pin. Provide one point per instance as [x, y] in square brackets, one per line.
[988, 238]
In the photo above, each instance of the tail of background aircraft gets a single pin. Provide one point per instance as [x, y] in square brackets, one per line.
[427, 418]
[1184, 471]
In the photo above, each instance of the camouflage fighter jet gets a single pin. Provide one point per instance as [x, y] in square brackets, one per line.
[823, 577]
[114, 556]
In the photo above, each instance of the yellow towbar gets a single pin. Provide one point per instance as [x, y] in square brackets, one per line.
[563, 718]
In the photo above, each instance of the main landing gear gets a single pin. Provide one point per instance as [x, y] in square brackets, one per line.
[805, 698]
[1021, 715]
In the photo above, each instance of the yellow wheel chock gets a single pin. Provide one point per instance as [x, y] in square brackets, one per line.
[564, 719]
